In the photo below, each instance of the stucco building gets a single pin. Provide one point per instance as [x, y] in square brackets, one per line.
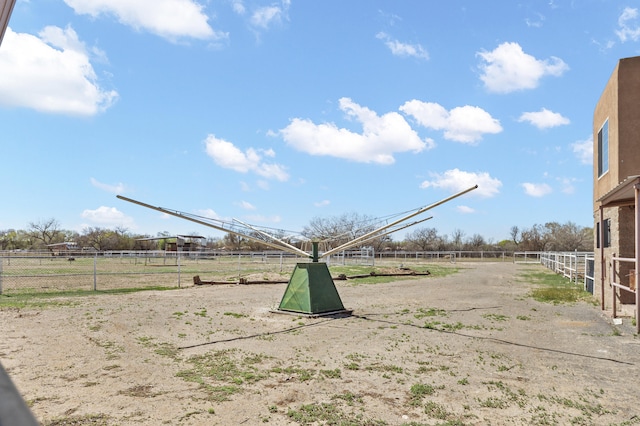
[616, 184]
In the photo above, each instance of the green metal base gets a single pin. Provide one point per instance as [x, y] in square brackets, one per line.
[311, 291]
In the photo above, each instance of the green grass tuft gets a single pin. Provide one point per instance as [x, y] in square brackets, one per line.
[554, 288]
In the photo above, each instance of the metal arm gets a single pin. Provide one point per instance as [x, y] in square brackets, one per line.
[211, 225]
[373, 237]
[420, 211]
[284, 244]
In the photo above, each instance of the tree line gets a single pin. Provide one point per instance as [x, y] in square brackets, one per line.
[551, 236]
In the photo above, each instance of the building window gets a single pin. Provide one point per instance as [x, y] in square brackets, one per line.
[603, 149]
[607, 233]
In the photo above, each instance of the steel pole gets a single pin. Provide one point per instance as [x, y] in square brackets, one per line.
[382, 228]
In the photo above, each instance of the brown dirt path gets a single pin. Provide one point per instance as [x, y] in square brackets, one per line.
[471, 348]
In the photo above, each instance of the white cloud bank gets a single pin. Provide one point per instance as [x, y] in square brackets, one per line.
[456, 180]
[508, 69]
[466, 124]
[107, 217]
[170, 19]
[536, 189]
[403, 49]
[381, 137]
[544, 119]
[50, 73]
[227, 155]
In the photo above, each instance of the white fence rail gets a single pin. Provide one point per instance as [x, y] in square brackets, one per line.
[577, 266]
[623, 282]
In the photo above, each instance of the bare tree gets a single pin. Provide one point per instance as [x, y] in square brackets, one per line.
[339, 229]
[100, 238]
[515, 235]
[121, 230]
[234, 242]
[476, 242]
[457, 237]
[534, 238]
[46, 231]
[568, 237]
[557, 237]
[424, 239]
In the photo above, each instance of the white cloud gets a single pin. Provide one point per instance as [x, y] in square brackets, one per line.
[264, 17]
[403, 49]
[536, 189]
[456, 180]
[507, 68]
[382, 136]
[465, 209]
[108, 217]
[628, 23]
[50, 73]
[322, 203]
[227, 155]
[246, 205]
[238, 7]
[544, 119]
[465, 124]
[567, 185]
[536, 22]
[115, 189]
[584, 150]
[170, 19]
[208, 213]
[269, 153]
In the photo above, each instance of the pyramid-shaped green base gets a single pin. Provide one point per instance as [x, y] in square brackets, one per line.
[311, 291]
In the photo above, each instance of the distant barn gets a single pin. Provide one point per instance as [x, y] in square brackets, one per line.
[179, 242]
[63, 249]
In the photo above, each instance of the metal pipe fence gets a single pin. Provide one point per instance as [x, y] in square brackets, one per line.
[621, 277]
[578, 267]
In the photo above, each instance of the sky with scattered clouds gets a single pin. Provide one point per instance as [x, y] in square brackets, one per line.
[277, 112]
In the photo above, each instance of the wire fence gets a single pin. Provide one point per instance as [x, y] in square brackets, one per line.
[35, 272]
[118, 270]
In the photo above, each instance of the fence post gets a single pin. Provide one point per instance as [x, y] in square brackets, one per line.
[1, 262]
[95, 271]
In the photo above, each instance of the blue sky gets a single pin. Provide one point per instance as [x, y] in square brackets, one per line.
[276, 112]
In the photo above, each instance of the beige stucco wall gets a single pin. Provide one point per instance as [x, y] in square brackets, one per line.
[628, 159]
[606, 108]
[620, 104]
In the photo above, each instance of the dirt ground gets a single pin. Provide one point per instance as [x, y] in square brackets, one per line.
[471, 348]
